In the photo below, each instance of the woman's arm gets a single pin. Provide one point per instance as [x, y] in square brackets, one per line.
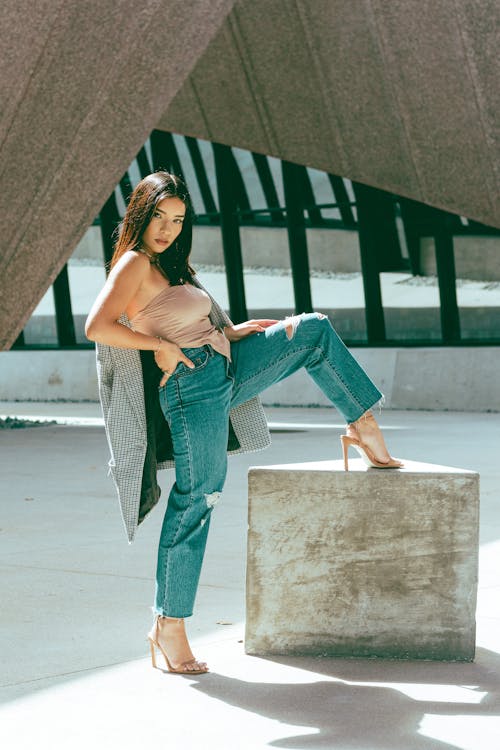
[241, 330]
[102, 324]
[120, 288]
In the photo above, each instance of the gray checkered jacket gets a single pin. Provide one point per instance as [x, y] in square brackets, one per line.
[138, 435]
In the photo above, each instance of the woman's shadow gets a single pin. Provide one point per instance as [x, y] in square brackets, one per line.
[355, 709]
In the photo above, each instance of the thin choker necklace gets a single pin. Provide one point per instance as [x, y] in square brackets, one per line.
[154, 259]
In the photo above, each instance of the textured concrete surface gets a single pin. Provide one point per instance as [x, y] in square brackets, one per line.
[403, 96]
[75, 669]
[84, 83]
[363, 563]
[475, 257]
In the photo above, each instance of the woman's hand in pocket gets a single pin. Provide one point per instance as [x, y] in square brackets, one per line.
[167, 357]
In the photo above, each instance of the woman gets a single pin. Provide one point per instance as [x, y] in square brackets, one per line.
[198, 399]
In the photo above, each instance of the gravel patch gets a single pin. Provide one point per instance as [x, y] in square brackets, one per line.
[13, 423]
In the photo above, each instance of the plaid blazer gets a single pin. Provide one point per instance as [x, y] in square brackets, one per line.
[137, 433]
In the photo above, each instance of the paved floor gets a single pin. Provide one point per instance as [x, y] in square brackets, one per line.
[75, 596]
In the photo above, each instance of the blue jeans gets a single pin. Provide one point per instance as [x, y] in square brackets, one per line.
[196, 405]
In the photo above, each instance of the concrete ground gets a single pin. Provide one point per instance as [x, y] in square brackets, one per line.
[75, 669]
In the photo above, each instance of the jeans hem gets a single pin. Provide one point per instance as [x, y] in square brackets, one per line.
[161, 613]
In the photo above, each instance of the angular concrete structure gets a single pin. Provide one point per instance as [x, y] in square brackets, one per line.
[363, 563]
[82, 87]
[402, 96]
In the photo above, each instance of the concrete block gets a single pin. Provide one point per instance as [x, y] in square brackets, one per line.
[362, 563]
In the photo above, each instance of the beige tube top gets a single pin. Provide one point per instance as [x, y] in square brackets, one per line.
[180, 314]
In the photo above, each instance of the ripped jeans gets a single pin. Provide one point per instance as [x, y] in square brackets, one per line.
[196, 405]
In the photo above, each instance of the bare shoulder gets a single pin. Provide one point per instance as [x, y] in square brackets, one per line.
[132, 259]
[130, 264]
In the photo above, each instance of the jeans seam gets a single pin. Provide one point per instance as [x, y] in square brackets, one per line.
[339, 377]
[183, 513]
[304, 349]
[344, 384]
[265, 369]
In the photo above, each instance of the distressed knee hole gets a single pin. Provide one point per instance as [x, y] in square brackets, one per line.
[212, 499]
[293, 322]
[292, 325]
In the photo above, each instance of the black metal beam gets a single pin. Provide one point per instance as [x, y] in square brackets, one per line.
[367, 223]
[342, 200]
[297, 238]
[416, 224]
[384, 230]
[64, 315]
[126, 187]
[20, 342]
[164, 152]
[239, 189]
[475, 227]
[268, 187]
[143, 163]
[201, 176]
[109, 218]
[230, 230]
[309, 200]
[445, 266]
[419, 221]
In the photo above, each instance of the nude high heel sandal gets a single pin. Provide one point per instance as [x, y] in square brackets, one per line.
[353, 437]
[191, 666]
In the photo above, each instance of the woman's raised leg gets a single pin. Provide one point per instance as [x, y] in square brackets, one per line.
[310, 341]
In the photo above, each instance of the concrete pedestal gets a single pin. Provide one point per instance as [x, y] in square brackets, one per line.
[365, 563]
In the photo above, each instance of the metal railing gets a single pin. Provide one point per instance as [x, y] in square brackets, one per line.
[224, 197]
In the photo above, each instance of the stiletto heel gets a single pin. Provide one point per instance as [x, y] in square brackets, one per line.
[153, 652]
[353, 437]
[183, 668]
[345, 449]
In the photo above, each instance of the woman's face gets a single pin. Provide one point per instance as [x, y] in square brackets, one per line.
[165, 225]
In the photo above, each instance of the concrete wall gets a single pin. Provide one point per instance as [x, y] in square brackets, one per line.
[48, 376]
[476, 257]
[329, 249]
[455, 379]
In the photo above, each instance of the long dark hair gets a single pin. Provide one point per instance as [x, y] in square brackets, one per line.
[149, 192]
